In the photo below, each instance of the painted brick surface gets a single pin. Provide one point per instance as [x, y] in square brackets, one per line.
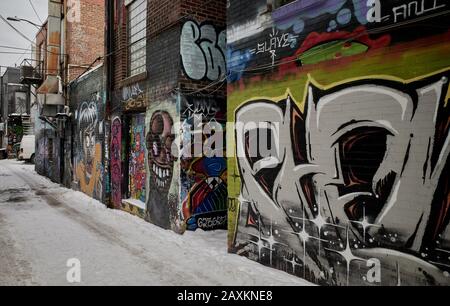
[89, 127]
[355, 96]
[179, 191]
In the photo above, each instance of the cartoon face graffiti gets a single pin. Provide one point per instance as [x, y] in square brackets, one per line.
[159, 143]
[88, 128]
[88, 164]
[160, 204]
[351, 167]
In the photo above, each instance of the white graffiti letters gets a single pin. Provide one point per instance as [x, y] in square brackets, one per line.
[350, 163]
[203, 51]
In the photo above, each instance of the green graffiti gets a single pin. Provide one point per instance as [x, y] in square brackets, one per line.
[332, 50]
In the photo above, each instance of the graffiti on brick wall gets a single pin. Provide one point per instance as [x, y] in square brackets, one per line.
[41, 153]
[341, 25]
[116, 161]
[354, 189]
[341, 13]
[88, 163]
[47, 158]
[203, 49]
[67, 159]
[404, 11]
[334, 199]
[206, 107]
[203, 175]
[163, 207]
[133, 97]
[206, 202]
[137, 173]
[275, 41]
[237, 61]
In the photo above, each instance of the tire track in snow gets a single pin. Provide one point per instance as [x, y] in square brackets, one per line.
[154, 263]
[14, 269]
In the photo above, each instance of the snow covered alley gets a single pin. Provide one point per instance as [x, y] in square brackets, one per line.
[43, 225]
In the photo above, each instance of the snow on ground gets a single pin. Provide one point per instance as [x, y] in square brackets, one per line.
[42, 225]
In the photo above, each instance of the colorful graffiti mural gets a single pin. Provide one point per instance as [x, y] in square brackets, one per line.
[163, 207]
[116, 162]
[88, 161]
[203, 179]
[351, 177]
[133, 97]
[206, 203]
[137, 173]
[355, 188]
[90, 135]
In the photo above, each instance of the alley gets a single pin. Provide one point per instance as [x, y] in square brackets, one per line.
[43, 225]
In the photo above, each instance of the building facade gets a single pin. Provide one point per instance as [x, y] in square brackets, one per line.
[167, 68]
[354, 189]
[15, 111]
[70, 43]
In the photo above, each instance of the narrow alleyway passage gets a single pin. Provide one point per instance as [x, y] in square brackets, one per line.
[43, 225]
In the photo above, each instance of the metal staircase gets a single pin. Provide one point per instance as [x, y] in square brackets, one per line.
[27, 124]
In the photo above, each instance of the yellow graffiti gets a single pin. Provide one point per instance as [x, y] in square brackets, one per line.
[89, 188]
[447, 98]
[133, 210]
[312, 81]
[386, 77]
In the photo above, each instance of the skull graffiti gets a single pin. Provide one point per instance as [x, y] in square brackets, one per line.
[160, 140]
[159, 144]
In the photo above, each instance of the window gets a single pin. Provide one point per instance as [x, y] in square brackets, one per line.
[137, 32]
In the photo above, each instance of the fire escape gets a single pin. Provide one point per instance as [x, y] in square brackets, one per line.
[31, 76]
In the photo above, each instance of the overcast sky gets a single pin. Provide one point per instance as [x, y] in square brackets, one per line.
[8, 37]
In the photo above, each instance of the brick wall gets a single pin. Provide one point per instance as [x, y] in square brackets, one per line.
[172, 77]
[359, 95]
[120, 43]
[85, 39]
[164, 25]
[203, 12]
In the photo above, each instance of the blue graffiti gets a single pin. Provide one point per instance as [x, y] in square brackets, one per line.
[360, 10]
[344, 16]
[308, 10]
[237, 61]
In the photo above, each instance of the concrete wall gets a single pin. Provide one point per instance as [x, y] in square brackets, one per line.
[354, 95]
